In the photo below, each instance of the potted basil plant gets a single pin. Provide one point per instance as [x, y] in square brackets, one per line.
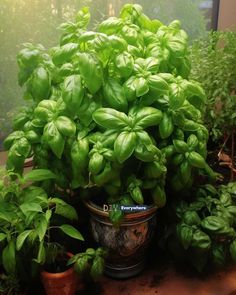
[25, 217]
[116, 119]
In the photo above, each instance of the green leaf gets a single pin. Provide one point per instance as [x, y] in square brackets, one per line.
[111, 25]
[195, 94]
[28, 57]
[2, 237]
[116, 216]
[214, 223]
[185, 171]
[91, 71]
[11, 138]
[71, 231]
[82, 264]
[73, 92]
[41, 227]
[166, 126]
[141, 86]
[196, 160]
[21, 147]
[41, 254]
[191, 218]
[180, 146]
[177, 96]
[30, 207]
[192, 142]
[65, 126]
[137, 195]
[97, 267]
[124, 145]
[148, 116]
[110, 118]
[219, 254]
[124, 63]
[157, 85]
[66, 211]
[64, 53]
[114, 95]
[21, 239]
[83, 17]
[40, 84]
[48, 215]
[54, 139]
[34, 194]
[45, 110]
[185, 234]
[96, 163]
[39, 175]
[9, 258]
[201, 240]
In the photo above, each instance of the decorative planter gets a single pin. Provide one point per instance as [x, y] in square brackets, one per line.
[63, 283]
[127, 244]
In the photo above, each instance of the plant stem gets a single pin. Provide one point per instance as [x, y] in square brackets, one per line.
[232, 157]
[227, 138]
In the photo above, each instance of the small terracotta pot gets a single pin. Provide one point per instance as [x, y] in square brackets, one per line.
[63, 283]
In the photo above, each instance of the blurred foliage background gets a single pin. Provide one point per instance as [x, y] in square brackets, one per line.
[37, 21]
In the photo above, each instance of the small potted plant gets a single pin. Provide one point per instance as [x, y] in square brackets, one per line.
[203, 230]
[27, 219]
[116, 119]
[16, 217]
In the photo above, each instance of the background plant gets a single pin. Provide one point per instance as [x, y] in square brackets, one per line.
[213, 61]
[204, 231]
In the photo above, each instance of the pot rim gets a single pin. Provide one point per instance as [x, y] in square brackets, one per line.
[95, 209]
[58, 275]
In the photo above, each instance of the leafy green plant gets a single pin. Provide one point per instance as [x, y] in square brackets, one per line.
[89, 263]
[26, 222]
[213, 60]
[112, 109]
[206, 228]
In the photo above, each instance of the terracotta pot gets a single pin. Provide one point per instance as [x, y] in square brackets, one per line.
[127, 244]
[63, 283]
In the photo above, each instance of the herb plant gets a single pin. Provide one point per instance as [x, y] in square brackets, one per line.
[205, 231]
[112, 109]
[26, 223]
[213, 65]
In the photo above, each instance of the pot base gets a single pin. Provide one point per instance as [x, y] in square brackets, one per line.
[124, 272]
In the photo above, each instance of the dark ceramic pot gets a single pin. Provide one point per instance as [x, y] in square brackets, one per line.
[127, 244]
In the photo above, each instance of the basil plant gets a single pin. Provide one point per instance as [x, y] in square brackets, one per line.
[112, 109]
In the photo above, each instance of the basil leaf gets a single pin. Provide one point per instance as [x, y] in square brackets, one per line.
[54, 139]
[39, 84]
[65, 126]
[124, 145]
[114, 95]
[73, 92]
[64, 53]
[91, 71]
[110, 118]
[148, 116]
